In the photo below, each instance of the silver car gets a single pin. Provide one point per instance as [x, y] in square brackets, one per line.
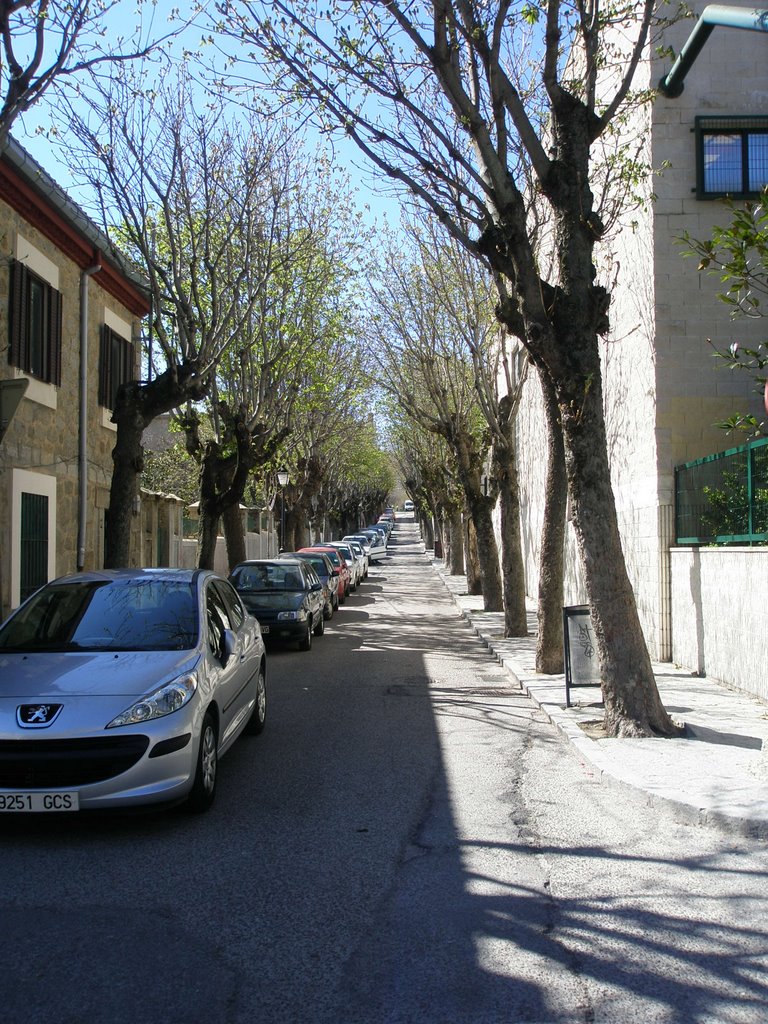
[125, 687]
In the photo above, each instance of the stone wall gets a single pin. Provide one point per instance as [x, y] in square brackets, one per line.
[43, 437]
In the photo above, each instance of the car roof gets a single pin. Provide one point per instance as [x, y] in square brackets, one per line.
[302, 555]
[118, 575]
[261, 561]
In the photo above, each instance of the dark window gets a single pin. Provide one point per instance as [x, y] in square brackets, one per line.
[231, 602]
[731, 156]
[218, 621]
[35, 325]
[116, 363]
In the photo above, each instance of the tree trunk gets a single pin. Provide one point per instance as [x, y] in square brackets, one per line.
[632, 703]
[127, 463]
[136, 406]
[549, 644]
[294, 529]
[234, 534]
[468, 467]
[512, 567]
[456, 544]
[474, 577]
[487, 553]
[427, 526]
[207, 535]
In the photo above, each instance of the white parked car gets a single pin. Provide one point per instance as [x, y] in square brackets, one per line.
[361, 548]
[378, 543]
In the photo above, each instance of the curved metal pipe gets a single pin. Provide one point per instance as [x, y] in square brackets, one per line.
[82, 462]
[752, 19]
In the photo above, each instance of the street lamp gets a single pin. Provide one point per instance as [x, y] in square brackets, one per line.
[282, 479]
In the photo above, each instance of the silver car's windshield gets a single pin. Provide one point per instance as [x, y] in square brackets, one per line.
[125, 615]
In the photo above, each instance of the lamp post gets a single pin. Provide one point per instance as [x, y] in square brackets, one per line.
[282, 479]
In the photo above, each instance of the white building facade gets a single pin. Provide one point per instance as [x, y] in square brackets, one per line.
[663, 389]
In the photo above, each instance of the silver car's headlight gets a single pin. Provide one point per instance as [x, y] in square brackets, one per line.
[298, 616]
[164, 701]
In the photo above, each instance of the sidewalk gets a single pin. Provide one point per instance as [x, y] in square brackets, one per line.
[716, 775]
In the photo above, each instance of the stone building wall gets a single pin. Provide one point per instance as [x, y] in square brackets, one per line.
[43, 437]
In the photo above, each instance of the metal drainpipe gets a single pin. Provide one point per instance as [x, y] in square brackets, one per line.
[82, 469]
[754, 19]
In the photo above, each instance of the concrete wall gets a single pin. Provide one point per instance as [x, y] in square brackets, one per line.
[257, 545]
[720, 615]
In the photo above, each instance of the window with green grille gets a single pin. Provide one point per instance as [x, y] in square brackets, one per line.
[723, 498]
[34, 543]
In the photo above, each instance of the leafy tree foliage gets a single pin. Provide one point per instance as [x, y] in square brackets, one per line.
[738, 255]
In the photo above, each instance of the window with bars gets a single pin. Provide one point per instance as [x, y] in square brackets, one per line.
[116, 365]
[34, 327]
[731, 156]
[34, 543]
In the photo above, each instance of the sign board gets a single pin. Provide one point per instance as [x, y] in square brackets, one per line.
[579, 649]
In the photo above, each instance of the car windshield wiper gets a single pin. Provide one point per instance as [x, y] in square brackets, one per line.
[42, 647]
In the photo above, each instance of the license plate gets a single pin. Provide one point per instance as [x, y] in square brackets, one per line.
[39, 802]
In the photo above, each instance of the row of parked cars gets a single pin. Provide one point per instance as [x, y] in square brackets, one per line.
[294, 594]
[125, 687]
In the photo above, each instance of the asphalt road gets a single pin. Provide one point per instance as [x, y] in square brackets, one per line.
[408, 842]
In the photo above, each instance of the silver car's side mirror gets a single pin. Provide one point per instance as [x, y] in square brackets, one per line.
[228, 646]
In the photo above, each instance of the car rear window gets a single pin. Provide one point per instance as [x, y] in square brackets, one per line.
[267, 577]
[317, 562]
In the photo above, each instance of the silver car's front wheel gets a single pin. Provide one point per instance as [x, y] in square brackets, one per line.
[204, 787]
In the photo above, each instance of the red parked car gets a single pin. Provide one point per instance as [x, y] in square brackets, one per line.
[339, 563]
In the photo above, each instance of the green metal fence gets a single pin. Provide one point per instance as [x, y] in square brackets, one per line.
[723, 498]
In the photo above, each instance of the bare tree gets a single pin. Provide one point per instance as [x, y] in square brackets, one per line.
[302, 266]
[499, 364]
[427, 319]
[182, 193]
[450, 99]
[45, 43]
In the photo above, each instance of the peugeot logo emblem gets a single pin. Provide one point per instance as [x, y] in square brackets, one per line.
[37, 716]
